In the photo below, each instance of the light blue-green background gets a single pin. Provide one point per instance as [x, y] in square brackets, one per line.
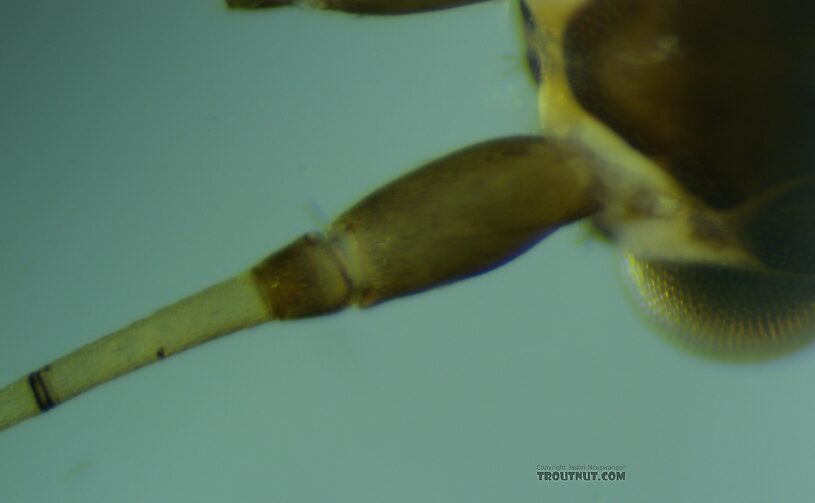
[149, 149]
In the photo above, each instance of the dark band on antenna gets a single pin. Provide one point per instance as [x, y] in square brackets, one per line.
[40, 390]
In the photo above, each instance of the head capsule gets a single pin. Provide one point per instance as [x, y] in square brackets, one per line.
[702, 115]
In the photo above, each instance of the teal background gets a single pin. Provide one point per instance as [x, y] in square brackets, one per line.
[149, 149]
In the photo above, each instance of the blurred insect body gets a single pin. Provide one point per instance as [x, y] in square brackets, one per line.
[678, 128]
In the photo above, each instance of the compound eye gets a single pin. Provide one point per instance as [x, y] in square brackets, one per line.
[729, 311]
[778, 228]
[717, 94]
[726, 312]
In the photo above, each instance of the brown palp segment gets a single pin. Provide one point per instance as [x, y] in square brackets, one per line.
[458, 216]
[374, 7]
[466, 213]
[304, 279]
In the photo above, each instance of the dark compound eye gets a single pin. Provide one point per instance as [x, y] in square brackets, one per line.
[722, 96]
[727, 312]
[723, 93]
